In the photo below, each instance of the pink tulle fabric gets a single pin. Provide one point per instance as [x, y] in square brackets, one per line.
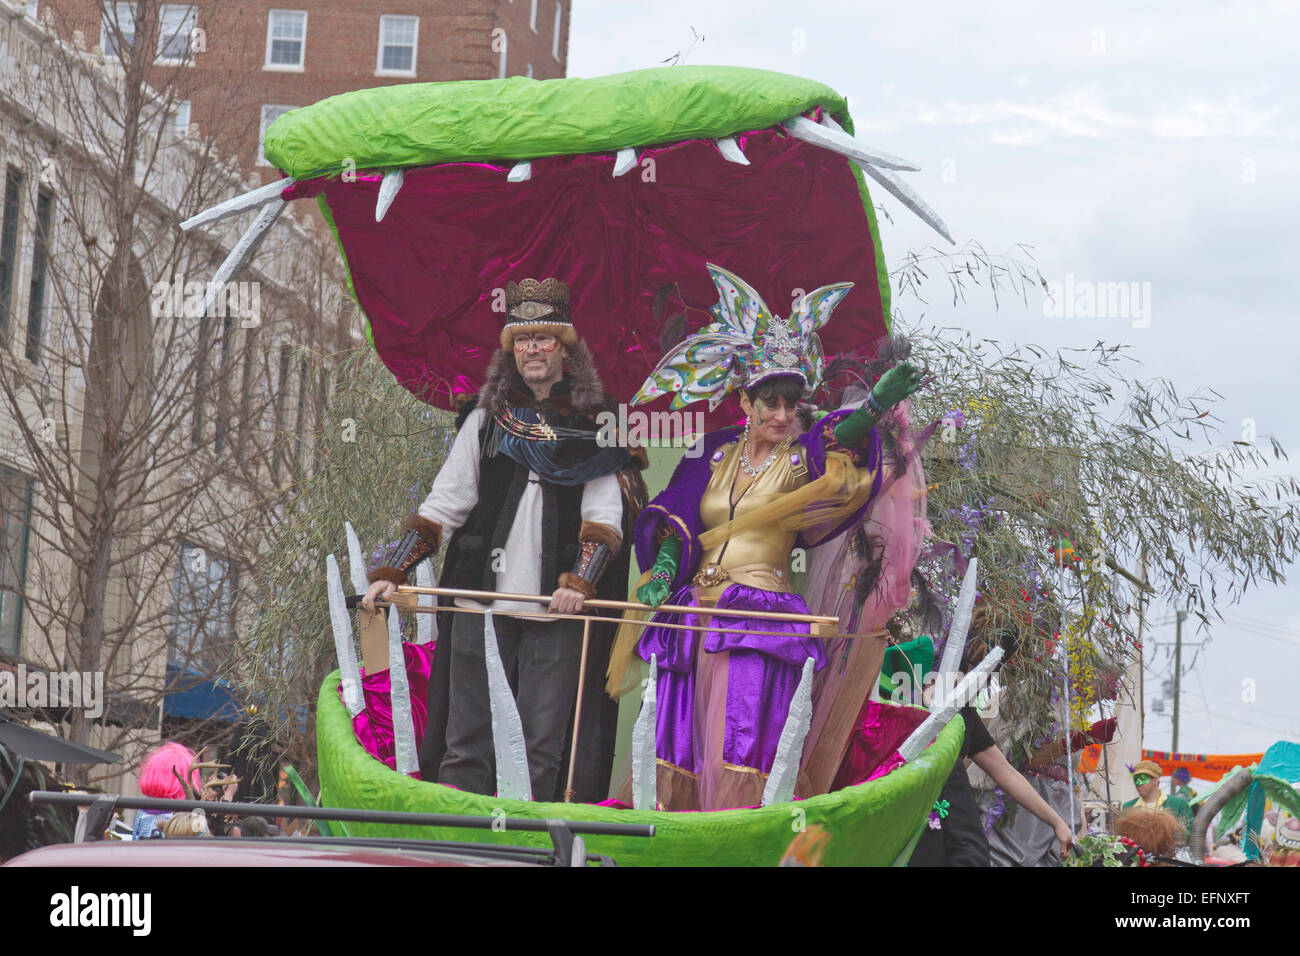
[374, 725]
[897, 518]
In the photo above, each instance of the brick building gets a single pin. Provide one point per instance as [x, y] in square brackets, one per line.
[252, 61]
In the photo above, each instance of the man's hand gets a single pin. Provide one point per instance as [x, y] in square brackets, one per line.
[383, 590]
[566, 601]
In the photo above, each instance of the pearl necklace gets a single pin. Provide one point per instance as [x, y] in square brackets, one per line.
[747, 466]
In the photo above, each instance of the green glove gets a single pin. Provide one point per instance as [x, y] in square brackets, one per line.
[655, 591]
[894, 386]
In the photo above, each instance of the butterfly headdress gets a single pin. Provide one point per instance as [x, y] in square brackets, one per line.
[746, 345]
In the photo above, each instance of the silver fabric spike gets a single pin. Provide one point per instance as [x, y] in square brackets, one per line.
[513, 781]
[899, 190]
[356, 564]
[393, 180]
[956, 643]
[963, 695]
[789, 749]
[645, 784]
[520, 172]
[233, 207]
[344, 647]
[426, 625]
[242, 252]
[838, 141]
[407, 759]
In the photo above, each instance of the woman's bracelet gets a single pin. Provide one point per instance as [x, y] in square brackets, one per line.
[874, 405]
[661, 575]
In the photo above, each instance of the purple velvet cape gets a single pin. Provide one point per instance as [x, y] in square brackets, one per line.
[763, 672]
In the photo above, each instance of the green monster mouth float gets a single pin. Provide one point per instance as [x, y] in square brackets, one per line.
[439, 193]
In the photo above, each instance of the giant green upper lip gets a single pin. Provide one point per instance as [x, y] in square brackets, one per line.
[417, 124]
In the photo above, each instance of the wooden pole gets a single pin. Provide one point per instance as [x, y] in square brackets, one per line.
[577, 711]
[623, 605]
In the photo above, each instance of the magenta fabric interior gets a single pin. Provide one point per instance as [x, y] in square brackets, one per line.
[426, 275]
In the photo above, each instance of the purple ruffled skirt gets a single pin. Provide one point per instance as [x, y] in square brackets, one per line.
[723, 698]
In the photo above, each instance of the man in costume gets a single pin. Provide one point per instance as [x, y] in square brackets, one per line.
[533, 505]
[1146, 777]
[720, 535]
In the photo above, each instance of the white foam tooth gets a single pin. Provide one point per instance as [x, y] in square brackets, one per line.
[838, 141]
[520, 172]
[242, 252]
[731, 150]
[624, 161]
[393, 180]
[233, 207]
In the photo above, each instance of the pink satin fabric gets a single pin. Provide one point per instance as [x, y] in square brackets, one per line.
[374, 725]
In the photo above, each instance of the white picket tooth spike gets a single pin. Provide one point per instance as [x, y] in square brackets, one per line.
[962, 695]
[404, 747]
[426, 625]
[956, 643]
[645, 784]
[356, 564]
[789, 749]
[520, 172]
[393, 180]
[731, 150]
[513, 781]
[624, 161]
[838, 141]
[243, 251]
[233, 207]
[344, 648]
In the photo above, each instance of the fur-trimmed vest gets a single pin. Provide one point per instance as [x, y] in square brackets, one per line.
[473, 554]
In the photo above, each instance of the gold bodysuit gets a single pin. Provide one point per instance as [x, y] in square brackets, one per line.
[758, 557]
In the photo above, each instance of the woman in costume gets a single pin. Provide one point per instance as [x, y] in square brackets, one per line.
[721, 535]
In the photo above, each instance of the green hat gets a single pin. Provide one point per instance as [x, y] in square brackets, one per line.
[916, 655]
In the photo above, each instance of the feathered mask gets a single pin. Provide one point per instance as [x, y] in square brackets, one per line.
[745, 346]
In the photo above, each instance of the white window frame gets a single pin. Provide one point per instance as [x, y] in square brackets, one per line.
[104, 26]
[415, 47]
[300, 66]
[528, 70]
[30, 7]
[262, 126]
[532, 15]
[190, 21]
[182, 113]
[555, 36]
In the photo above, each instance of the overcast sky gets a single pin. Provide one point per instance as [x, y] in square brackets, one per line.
[1159, 146]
